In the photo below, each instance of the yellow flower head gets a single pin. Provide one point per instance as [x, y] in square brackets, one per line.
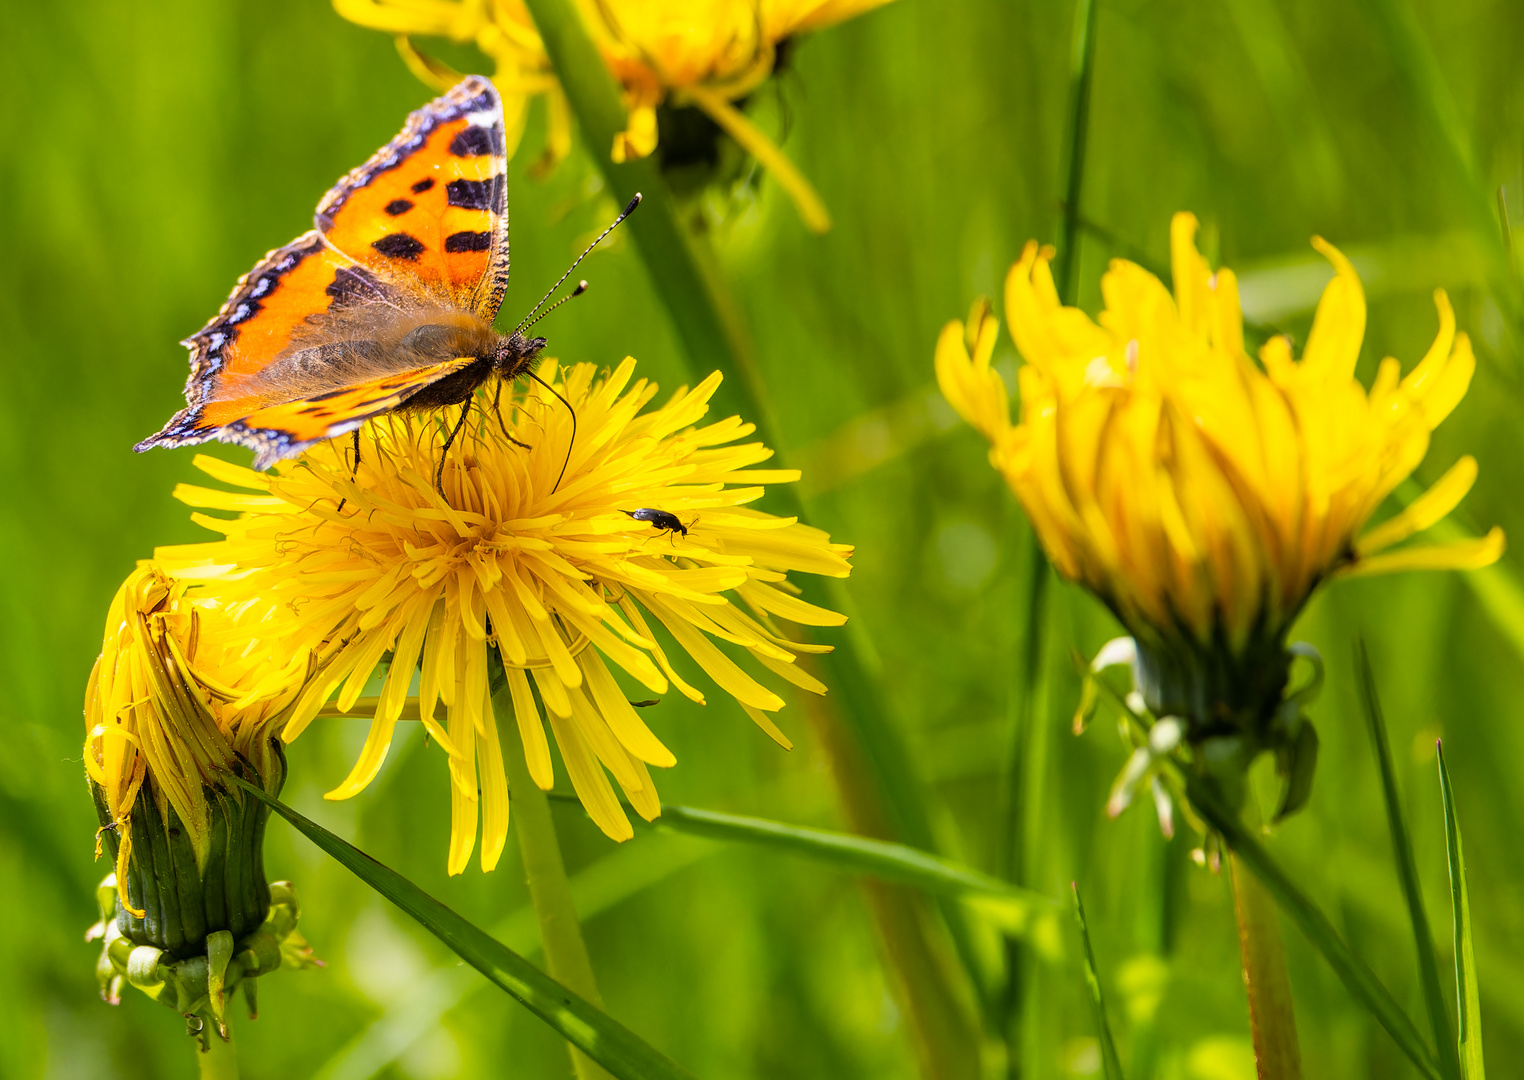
[513, 575]
[178, 701]
[172, 704]
[707, 54]
[1203, 496]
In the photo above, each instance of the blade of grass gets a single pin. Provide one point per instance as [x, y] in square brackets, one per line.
[591, 1030]
[1352, 971]
[622, 873]
[1468, 995]
[1407, 867]
[1111, 1064]
[880, 858]
[1081, 72]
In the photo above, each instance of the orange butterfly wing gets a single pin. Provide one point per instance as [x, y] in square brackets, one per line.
[298, 286]
[431, 205]
[311, 420]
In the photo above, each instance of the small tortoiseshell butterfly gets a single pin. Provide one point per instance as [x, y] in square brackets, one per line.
[387, 304]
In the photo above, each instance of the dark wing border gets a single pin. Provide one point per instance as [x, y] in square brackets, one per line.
[474, 94]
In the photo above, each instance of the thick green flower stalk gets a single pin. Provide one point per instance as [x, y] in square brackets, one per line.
[175, 703]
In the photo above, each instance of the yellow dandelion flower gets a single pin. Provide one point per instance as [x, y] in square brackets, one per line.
[705, 54]
[177, 700]
[1202, 496]
[556, 582]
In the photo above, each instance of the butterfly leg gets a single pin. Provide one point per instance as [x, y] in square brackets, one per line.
[498, 412]
[444, 451]
[354, 472]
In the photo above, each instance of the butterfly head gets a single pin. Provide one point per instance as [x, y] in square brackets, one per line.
[513, 353]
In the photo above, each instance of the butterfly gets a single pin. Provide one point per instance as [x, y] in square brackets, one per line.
[387, 304]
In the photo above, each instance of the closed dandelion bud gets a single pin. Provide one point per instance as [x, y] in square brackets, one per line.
[172, 708]
[1202, 495]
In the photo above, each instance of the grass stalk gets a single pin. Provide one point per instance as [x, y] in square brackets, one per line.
[1272, 1019]
[1081, 75]
[560, 930]
[1111, 1064]
[1468, 995]
[1407, 868]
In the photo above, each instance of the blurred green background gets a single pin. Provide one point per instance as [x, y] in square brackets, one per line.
[150, 153]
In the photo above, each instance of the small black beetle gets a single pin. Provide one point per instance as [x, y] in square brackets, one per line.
[660, 518]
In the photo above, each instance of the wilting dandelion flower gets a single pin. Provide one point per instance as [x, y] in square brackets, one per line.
[707, 55]
[518, 569]
[176, 702]
[1201, 496]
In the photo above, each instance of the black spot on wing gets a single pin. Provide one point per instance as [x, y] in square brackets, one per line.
[477, 141]
[399, 206]
[422, 186]
[468, 241]
[399, 246]
[478, 194]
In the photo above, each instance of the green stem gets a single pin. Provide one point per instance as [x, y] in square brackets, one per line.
[1354, 972]
[219, 1061]
[1271, 1016]
[560, 932]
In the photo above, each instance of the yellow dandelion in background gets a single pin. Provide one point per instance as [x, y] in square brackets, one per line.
[707, 54]
[556, 583]
[1200, 495]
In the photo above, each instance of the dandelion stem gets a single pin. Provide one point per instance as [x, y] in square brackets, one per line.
[219, 1061]
[560, 931]
[1271, 1016]
[1354, 972]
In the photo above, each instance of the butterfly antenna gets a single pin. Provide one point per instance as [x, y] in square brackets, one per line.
[626, 212]
[563, 401]
[578, 291]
